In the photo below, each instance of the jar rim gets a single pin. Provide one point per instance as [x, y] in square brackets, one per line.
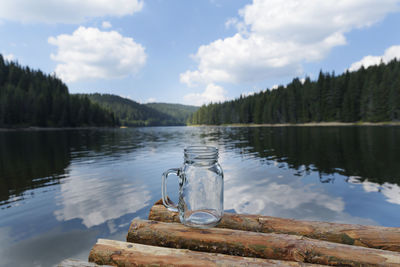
[201, 152]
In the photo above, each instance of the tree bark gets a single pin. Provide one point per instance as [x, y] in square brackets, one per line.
[119, 253]
[261, 245]
[386, 238]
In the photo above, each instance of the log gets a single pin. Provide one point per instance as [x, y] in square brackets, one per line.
[386, 238]
[261, 245]
[119, 253]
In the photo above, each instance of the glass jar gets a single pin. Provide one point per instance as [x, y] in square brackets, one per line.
[201, 188]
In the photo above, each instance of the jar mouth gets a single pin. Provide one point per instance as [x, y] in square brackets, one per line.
[199, 153]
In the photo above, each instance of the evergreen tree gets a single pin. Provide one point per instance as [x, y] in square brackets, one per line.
[371, 94]
[31, 98]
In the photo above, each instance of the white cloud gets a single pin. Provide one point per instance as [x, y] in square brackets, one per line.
[151, 100]
[212, 93]
[249, 93]
[275, 38]
[91, 53]
[231, 22]
[65, 11]
[127, 97]
[106, 25]
[390, 53]
[8, 57]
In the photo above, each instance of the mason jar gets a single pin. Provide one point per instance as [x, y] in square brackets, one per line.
[201, 188]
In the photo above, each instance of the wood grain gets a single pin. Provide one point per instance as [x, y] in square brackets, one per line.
[386, 238]
[260, 245]
[119, 253]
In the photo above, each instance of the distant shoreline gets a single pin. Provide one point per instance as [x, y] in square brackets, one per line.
[34, 128]
[308, 124]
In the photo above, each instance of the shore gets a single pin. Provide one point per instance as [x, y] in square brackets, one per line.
[34, 128]
[308, 124]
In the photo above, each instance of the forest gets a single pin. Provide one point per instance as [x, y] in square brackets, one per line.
[31, 98]
[132, 113]
[178, 111]
[366, 95]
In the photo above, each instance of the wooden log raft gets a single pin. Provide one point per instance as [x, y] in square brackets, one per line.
[261, 245]
[119, 253]
[386, 238]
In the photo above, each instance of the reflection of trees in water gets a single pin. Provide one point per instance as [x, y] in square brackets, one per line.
[368, 152]
[33, 159]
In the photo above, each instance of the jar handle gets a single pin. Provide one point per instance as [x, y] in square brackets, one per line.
[166, 201]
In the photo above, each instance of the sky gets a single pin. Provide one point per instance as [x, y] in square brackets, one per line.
[196, 52]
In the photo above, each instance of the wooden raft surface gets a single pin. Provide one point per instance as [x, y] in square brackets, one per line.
[119, 253]
[249, 240]
[386, 238]
[260, 245]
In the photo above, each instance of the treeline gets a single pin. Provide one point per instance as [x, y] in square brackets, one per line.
[180, 112]
[132, 113]
[31, 98]
[370, 95]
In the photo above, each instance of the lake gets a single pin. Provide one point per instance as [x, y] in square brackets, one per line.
[61, 190]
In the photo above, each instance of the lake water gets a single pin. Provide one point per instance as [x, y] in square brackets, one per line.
[61, 190]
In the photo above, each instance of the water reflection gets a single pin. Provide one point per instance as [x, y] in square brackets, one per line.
[60, 188]
[276, 192]
[98, 197]
[35, 159]
[47, 249]
[31, 160]
[390, 191]
[366, 152]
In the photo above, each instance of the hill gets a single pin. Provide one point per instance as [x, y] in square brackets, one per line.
[132, 113]
[369, 95]
[177, 111]
[31, 98]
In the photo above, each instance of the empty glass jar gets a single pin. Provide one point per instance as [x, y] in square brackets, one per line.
[201, 188]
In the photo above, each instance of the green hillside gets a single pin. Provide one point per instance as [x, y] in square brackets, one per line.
[131, 113]
[178, 111]
[369, 95]
[31, 98]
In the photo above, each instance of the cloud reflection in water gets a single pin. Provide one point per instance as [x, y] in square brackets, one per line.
[389, 190]
[97, 199]
[281, 194]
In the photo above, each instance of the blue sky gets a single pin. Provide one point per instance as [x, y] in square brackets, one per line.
[195, 52]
